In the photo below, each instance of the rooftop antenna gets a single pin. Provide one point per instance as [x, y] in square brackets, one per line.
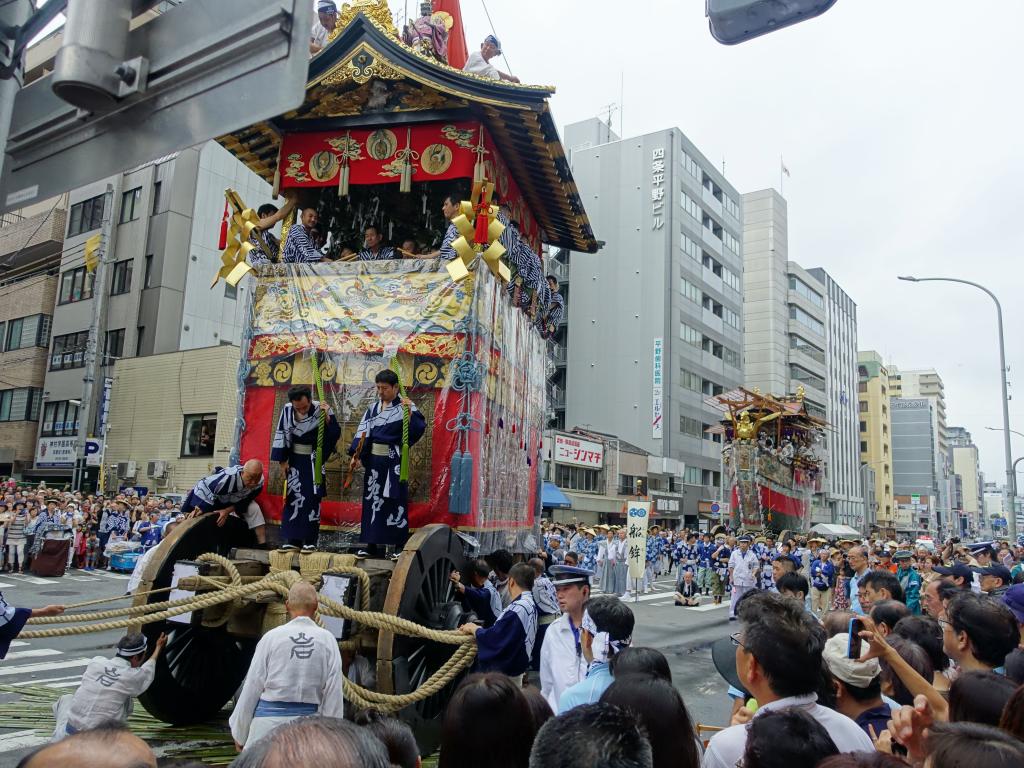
[608, 110]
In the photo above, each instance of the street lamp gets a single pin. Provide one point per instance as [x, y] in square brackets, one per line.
[1011, 479]
[1000, 429]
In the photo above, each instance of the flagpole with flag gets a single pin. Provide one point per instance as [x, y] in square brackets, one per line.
[783, 171]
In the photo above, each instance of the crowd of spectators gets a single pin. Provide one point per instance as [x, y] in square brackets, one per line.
[96, 525]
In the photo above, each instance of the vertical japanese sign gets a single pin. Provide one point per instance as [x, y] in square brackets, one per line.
[657, 188]
[638, 514]
[657, 389]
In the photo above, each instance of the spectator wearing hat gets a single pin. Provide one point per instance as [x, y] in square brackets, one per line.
[479, 62]
[562, 663]
[909, 579]
[327, 20]
[108, 687]
[959, 574]
[995, 579]
[743, 571]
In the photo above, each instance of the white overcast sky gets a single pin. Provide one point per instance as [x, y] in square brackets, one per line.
[900, 123]
[900, 127]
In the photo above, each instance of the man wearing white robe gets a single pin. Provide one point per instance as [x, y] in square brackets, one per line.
[296, 671]
[562, 663]
[108, 687]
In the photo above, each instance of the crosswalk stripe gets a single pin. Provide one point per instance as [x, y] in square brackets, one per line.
[44, 666]
[64, 679]
[18, 643]
[5, 585]
[33, 653]
[111, 575]
[29, 579]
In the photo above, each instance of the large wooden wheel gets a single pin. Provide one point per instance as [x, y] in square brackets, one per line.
[201, 667]
[420, 590]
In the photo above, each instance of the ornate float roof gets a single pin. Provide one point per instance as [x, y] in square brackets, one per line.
[366, 76]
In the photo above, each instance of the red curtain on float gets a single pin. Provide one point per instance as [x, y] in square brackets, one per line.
[457, 50]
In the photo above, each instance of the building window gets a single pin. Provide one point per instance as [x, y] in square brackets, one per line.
[76, 285]
[121, 282]
[732, 319]
[863, 426]
[60, 418]
[805, 347]
[627, 485]
[199, 435]
[863, 406]
[86, 216]
[230, 291]
[731, 242]
[863, 447]
[691, 427]
[690, 166]
[130, 205]
[795, 313]
[20, 404]
[69, 351]
[25, 332]
[711, 388]
[689, 290]
[690, 334]
[690, 380]
[113, 346]
[690, 206]
[689, 247]
[692, 475]
[731, 357]
[147, 276]
[140, 334]
[799, 286]
[806, 377]
[577, 478]
[732, 208]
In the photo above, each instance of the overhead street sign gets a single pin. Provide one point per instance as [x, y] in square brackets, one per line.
[197, 71]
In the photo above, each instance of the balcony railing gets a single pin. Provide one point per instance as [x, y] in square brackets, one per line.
[557, 352]
[556, 397]
[558, 269]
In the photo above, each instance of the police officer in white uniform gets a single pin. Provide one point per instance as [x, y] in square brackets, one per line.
[562, 663]
[743, 570]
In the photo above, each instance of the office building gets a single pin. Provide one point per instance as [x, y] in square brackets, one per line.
[800, 333]
[915, 483]
[161, 256]
[964, 458]
[927, 383]
[655, 317]
[875, 428]
[843, 493]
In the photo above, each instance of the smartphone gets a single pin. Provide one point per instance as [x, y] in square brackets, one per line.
[853, 644]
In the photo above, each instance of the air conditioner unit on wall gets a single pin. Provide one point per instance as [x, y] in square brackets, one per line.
[126, 470]
[156, 469]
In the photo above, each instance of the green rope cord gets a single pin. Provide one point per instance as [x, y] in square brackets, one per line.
[321, 427]
[406, 411]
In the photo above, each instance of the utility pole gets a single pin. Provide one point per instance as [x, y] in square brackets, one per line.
[85, 414]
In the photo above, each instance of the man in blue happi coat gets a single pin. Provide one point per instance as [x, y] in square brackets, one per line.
[508, 645]
[227, 490]
[378, 446]
[296, 447]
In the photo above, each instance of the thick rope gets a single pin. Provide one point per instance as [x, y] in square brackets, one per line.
[321, 426]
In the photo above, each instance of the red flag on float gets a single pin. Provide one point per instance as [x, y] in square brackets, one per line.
[223, 242]
[457, 50]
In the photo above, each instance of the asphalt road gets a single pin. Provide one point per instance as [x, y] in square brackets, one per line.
[682, 634]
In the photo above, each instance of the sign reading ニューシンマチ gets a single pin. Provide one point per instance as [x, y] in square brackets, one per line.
[570, 449]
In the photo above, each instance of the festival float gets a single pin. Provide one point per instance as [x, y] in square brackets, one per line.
[772, 458]
[387, 130]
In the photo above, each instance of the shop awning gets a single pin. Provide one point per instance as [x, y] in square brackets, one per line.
[551, 497]
[835, 529]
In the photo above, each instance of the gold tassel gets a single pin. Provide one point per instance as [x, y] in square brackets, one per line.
[289, 220]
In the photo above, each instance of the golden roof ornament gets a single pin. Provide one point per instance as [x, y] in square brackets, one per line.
[800, 392]
[376, 11]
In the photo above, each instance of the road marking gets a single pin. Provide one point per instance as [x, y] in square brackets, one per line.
[67, 678]
[44, 666]
[18, 643]
[110, 575]
[29, 579]
[33, 653]
[21, 739]
[5, 585]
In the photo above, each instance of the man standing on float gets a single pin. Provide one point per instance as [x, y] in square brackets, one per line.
[298, 448]
[378, 445]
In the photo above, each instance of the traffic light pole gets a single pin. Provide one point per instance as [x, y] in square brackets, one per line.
[99, 300]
